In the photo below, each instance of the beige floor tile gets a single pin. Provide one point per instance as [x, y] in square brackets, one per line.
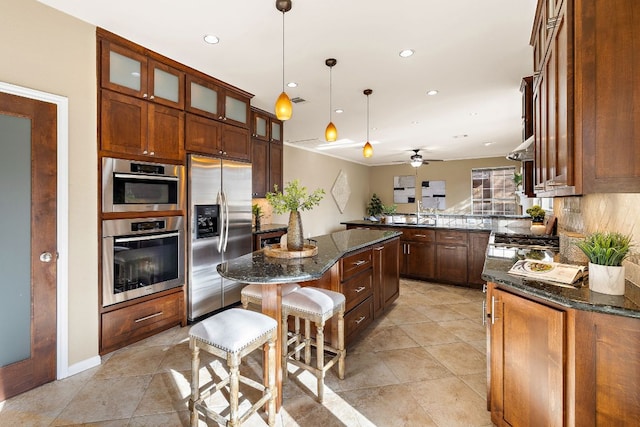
[132, 361]
[429, 333]
[465, 329]
[180, 418]
[443, 313]
[451, 402]
[380, 339]
[471, 310]
[167, 392]
[413, 364]
[104, 399]
[402, 314]
[362, 370]
[478, 382]
[460, 358]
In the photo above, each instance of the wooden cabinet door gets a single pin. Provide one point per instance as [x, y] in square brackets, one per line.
[236, 109]
[236, 142]
[123, 124]
[166, 133]
[259, 167]
[203, 98]
[477, 248]
[166, 85]
[123, 70]
[277, 130]
[527, 362]
[390, 272]
[276, 175]
[202, 135]
[419, 260]
[260, 125]
[451, 263]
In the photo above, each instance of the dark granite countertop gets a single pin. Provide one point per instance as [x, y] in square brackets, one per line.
[268, 228]
[258, 268]
[499, 260]
[474, 225]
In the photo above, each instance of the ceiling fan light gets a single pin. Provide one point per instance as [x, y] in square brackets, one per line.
[367, 150]
[331, 133]
[283, 108]
[416, 163]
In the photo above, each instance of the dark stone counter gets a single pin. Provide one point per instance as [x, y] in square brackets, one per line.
[449, 224]
[499, 260]
[258, 268]
[268, 228]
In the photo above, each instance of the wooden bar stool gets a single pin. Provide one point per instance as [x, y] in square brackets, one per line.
[314, 305]
[232, 334]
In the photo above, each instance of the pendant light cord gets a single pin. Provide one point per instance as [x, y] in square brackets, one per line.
[330, 94]
[283, 12]
[368, 118]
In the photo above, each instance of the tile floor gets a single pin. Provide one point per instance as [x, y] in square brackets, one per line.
[422, 364]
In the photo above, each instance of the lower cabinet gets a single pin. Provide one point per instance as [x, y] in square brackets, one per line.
[386, 271]
[478, 241]
[132, 323]
[550, 365]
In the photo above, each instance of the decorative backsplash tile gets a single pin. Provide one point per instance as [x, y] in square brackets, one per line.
[582, 215]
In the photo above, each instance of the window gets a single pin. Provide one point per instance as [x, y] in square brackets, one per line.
[493, 191]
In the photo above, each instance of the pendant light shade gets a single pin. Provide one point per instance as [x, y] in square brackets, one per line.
[331, 133]
[283, 107]
[367, 150]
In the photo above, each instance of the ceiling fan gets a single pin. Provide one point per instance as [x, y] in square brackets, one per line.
[416, 159]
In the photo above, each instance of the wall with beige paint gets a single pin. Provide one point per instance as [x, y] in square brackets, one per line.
[46, 50]
[456, 174]
[319, 171]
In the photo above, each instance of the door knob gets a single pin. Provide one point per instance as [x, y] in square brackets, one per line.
[46, 257]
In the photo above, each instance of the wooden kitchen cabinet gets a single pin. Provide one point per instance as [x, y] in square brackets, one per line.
[266, 153]
[586, 124]
[452, 256]
[386, 275]
[134, 127]
[478, 241]
[207, 136]
[133, 322]
[132, 72]
[209, 98]
[527, 367]
[418, 253]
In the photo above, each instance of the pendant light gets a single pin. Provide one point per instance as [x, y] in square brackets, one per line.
[367, 150]
[283, 107]
[331, 133]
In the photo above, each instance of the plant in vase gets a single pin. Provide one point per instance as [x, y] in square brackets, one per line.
[537, 220]
[294, 199]
[606, 251]
[375, 206]
[257, 214]
[388, 211]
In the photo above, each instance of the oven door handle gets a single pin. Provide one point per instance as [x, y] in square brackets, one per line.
[220, 202]
[226, 215]
[149, 177]
[148, 237]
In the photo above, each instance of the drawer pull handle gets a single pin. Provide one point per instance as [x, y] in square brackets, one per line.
[449, 247]
[358, 321]
[419, 235]
[151, 316]
[449, 237]
[360, 289]
[378, 249]
[357, 263]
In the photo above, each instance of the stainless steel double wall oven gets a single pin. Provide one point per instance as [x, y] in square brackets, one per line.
[141, 255]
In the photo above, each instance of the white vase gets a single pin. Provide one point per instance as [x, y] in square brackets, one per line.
[606, 279]
[538, 229]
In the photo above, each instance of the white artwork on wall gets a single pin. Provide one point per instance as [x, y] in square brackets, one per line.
[434, 195]
[404, 189]
[341, 191]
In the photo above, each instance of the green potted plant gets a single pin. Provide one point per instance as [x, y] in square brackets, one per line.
[387, 213]
[293, 199]
[537, 220]
[375, 206]
[257, 214]
[606, 251]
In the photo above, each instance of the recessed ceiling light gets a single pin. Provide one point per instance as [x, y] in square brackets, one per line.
[405, 53]
[339, 110]
[486, 144]
[473, 114]
[464, 135]
[415, 122]
[432, 92]
[211, 39]
[292, 84]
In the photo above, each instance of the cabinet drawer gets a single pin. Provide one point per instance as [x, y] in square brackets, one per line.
[351, 265]
[126, 325]
[357, 289]
[418, 235]
[452, 237]
[358, 319]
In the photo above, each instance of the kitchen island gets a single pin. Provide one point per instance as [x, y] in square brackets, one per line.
[361, 264]
[558, 354]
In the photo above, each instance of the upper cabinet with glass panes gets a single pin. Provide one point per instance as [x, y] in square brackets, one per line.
[206, 97]
[265, 126]
[135, 74]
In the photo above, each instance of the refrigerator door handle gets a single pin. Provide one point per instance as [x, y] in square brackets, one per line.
[226, 217]
[220, 201]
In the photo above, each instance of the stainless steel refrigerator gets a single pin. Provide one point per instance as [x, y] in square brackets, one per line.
[219, 210]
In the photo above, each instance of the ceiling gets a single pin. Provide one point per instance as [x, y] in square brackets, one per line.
[473, 52]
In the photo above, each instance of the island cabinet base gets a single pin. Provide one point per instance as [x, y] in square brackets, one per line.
[366, 276]
[553, 365]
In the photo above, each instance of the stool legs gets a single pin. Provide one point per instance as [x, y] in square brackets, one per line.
[271, 406]
[195, 384]
[341, 349]
[320, 359]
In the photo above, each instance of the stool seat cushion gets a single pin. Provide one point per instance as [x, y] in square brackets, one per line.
[255, 291]
[234, 329]
[314, 301]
